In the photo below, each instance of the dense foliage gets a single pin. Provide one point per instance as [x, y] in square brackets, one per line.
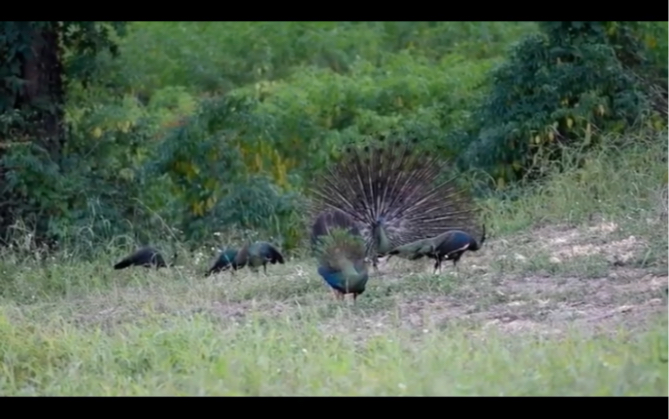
[184, 130]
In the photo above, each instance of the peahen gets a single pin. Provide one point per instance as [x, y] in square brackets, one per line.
[256, 254]
[394, 193]
[447, 246]
[342, 260]
[224, 261]
[147, 257]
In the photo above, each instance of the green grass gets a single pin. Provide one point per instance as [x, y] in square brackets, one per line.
[560, 301]
[160, 354]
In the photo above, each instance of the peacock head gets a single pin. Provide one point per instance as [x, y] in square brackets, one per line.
[380, 220]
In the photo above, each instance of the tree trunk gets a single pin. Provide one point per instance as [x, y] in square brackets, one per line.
[40, 101]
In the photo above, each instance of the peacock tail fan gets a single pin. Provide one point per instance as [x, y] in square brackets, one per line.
[391, 181]
[339, 244]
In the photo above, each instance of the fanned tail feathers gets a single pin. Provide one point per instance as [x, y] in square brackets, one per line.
[391, 182]
[338, 245]
[328, 221]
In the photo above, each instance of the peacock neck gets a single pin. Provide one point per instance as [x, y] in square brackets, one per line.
[382, 241]
[349, 272]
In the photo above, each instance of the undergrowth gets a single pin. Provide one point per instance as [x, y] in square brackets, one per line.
[79, 328]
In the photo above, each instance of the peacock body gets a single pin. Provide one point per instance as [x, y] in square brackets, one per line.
[224, 261]
[341, 253]
[450, 245]
[258, 254]
[146, 256]
[394, 193]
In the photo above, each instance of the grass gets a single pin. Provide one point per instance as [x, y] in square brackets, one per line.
[566, 298]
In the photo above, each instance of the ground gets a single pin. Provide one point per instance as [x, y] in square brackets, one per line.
[586, 285]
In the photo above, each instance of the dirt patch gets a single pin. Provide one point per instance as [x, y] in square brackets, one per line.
[524, 303]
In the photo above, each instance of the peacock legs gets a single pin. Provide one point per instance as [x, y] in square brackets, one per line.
[437, 265]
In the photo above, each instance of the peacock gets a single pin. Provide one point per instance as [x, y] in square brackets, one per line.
[342, 260]
[147, 257]
[224, 261]
[447, 246]
[394, 193]
[256, 254]
[328, 220]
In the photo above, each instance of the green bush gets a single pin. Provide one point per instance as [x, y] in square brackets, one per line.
[566, 87]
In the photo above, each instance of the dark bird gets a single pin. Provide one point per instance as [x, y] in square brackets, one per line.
[394, 193]
[341, 254]
[447, 246]
[224, 261]
[256, 254]
[146, 257]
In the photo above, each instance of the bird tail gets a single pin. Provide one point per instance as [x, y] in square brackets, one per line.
[272, 254]
[339, 245]
[329, 220]
[480, 242]
[389, 183]
[124, 263]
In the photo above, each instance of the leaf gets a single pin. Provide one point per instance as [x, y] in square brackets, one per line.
[96, 132]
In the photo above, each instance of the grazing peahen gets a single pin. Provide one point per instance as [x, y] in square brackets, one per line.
[147, 257]
[394, 193]
[341, 255]
[256, 254]
[224, 261]
[447, 246]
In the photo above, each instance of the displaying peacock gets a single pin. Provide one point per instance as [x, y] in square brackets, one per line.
[447, 246]
[341, 254]
[256, 254]
[329, 220]
[395, 193]
[224, 261]
[146, 256]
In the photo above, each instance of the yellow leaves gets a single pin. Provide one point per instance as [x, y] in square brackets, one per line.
[281, 175]
[96, 132]
[124, 126]
[126, 174]
[601, 110]
[187, 169]
[258, 162]
[209, 203]
[611, 29]
[651, 42]
[199, 208]
[535, 139]
[570, 122]
[209, 184]
[551, 136]
[588, 134]
[516, 165]
[658, 123]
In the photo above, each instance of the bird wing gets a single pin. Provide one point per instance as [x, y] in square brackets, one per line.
[271, 253]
